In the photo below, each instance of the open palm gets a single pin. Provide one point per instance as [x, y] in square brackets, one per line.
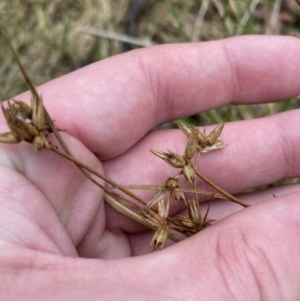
[56, 232]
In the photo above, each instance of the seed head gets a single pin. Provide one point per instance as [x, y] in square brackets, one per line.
[215, 134]
[191, 146]
[189, 173]
[159, 238]
[171, 158]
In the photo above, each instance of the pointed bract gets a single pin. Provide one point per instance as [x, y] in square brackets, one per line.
[189, 173]
[191, 146]
[159, 195]
[159, 238]
[171, 158]
[215, 134]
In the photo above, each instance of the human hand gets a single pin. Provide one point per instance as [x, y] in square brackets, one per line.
[53, 218]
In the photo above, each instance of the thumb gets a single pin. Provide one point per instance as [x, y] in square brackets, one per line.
[251, 255]
[254, 254]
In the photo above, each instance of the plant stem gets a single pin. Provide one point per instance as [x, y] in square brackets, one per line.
[110, 200]
[228, 195]
[103, 177]
[180, 189]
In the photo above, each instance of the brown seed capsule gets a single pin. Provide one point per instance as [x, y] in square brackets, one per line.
[171, 183]
[40, 142]
[171, 158]
[218, 145]
[187, 223]
[194, 211]
[26, 124]
[191, 144]
[159, 238]
[189, 173]
[21, 129]
[21, 110]
[187, 130]
[162, 233]
[184, 225]
[215, 134]
[177, 195]
[202, 139]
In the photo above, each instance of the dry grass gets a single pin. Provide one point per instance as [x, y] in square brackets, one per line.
[46, 36]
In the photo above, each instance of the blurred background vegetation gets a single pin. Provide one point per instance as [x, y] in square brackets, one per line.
[53, 37]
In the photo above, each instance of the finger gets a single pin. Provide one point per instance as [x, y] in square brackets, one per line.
[112, 104]
[73, 197]
[258, 152]
[218, 209]
[28, 219]
[254, 251]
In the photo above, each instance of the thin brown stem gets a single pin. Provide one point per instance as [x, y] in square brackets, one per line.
[46, 114]
[101, 176]
[148, 187]
[110, 200]
[188, 190]
[207, 210]
[195, 181]
[225, 193]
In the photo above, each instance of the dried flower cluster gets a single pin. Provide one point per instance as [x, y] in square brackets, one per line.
[26, 123]
[33, 124]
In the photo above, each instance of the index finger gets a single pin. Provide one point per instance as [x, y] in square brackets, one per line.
[112, 104]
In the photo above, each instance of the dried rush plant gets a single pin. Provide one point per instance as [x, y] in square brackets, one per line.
[33, 124]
